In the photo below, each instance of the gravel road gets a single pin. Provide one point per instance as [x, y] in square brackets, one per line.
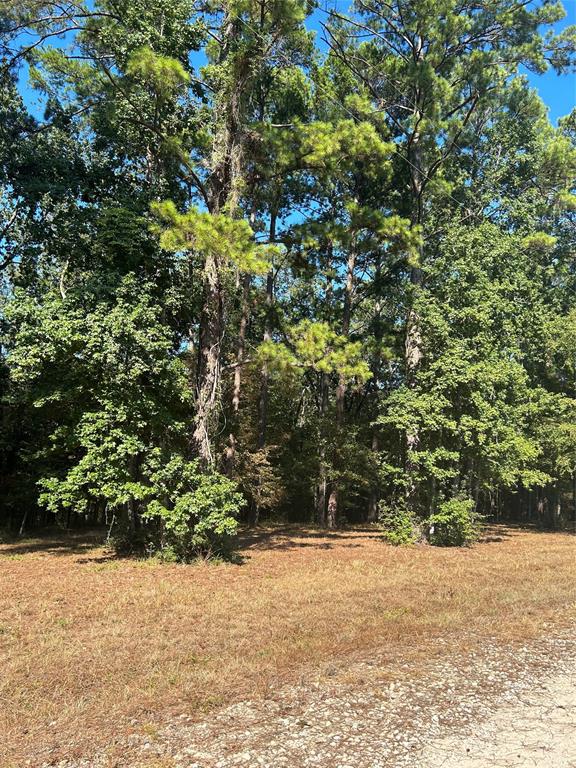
[538, 729]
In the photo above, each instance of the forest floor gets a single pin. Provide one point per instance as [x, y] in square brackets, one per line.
[317, 649]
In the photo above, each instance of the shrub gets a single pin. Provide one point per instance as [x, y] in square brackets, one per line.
[455, 524]
[399, 526]
[196, 511]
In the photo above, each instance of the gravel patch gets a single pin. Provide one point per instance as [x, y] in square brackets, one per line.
[537, 729]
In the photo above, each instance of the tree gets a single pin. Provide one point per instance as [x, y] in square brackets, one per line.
[242, 275]
[431, 67]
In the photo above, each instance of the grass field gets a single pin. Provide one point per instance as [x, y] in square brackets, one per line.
[90, 643]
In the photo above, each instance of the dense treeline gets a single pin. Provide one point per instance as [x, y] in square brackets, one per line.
[249, 270]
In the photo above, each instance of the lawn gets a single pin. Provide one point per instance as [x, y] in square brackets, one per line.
[90, 644]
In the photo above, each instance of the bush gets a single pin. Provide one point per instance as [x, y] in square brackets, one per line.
[455, 524]
[196, 511]
[399, 526]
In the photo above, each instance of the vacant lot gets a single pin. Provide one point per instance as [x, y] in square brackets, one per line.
[89, 643]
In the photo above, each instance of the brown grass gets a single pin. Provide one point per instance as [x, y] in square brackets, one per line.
[88, 642]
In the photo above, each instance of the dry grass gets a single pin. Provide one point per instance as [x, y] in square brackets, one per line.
[88, 641]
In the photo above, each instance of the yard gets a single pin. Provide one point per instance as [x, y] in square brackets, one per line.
[93, 646]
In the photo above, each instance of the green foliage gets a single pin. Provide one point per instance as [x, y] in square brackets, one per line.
[398, 524]
[260, 480]
[315, 346]
[329, 279]
[473, 400]
[107, 385]
[218, 235]
[343, 146]
[196, 512]
[162, 72]
[455, 524]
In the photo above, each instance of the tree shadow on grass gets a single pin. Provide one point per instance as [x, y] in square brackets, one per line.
[494, 533]
[506, 530]
[289, 537]
[54, 542]
[294, 537]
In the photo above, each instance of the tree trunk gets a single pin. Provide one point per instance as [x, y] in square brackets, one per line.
[208, 370]
[346, 318]
[265, 377]
[229, 459]
[333, 501]
[413, 341]
[322, 487]
[332, 516]
[222, 189]
[23, 523]
[374, 496]
[244, 317]
[574, 499]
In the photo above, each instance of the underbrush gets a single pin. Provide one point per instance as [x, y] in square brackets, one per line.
[454, 524]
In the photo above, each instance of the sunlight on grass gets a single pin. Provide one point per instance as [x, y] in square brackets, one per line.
[85, 638]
